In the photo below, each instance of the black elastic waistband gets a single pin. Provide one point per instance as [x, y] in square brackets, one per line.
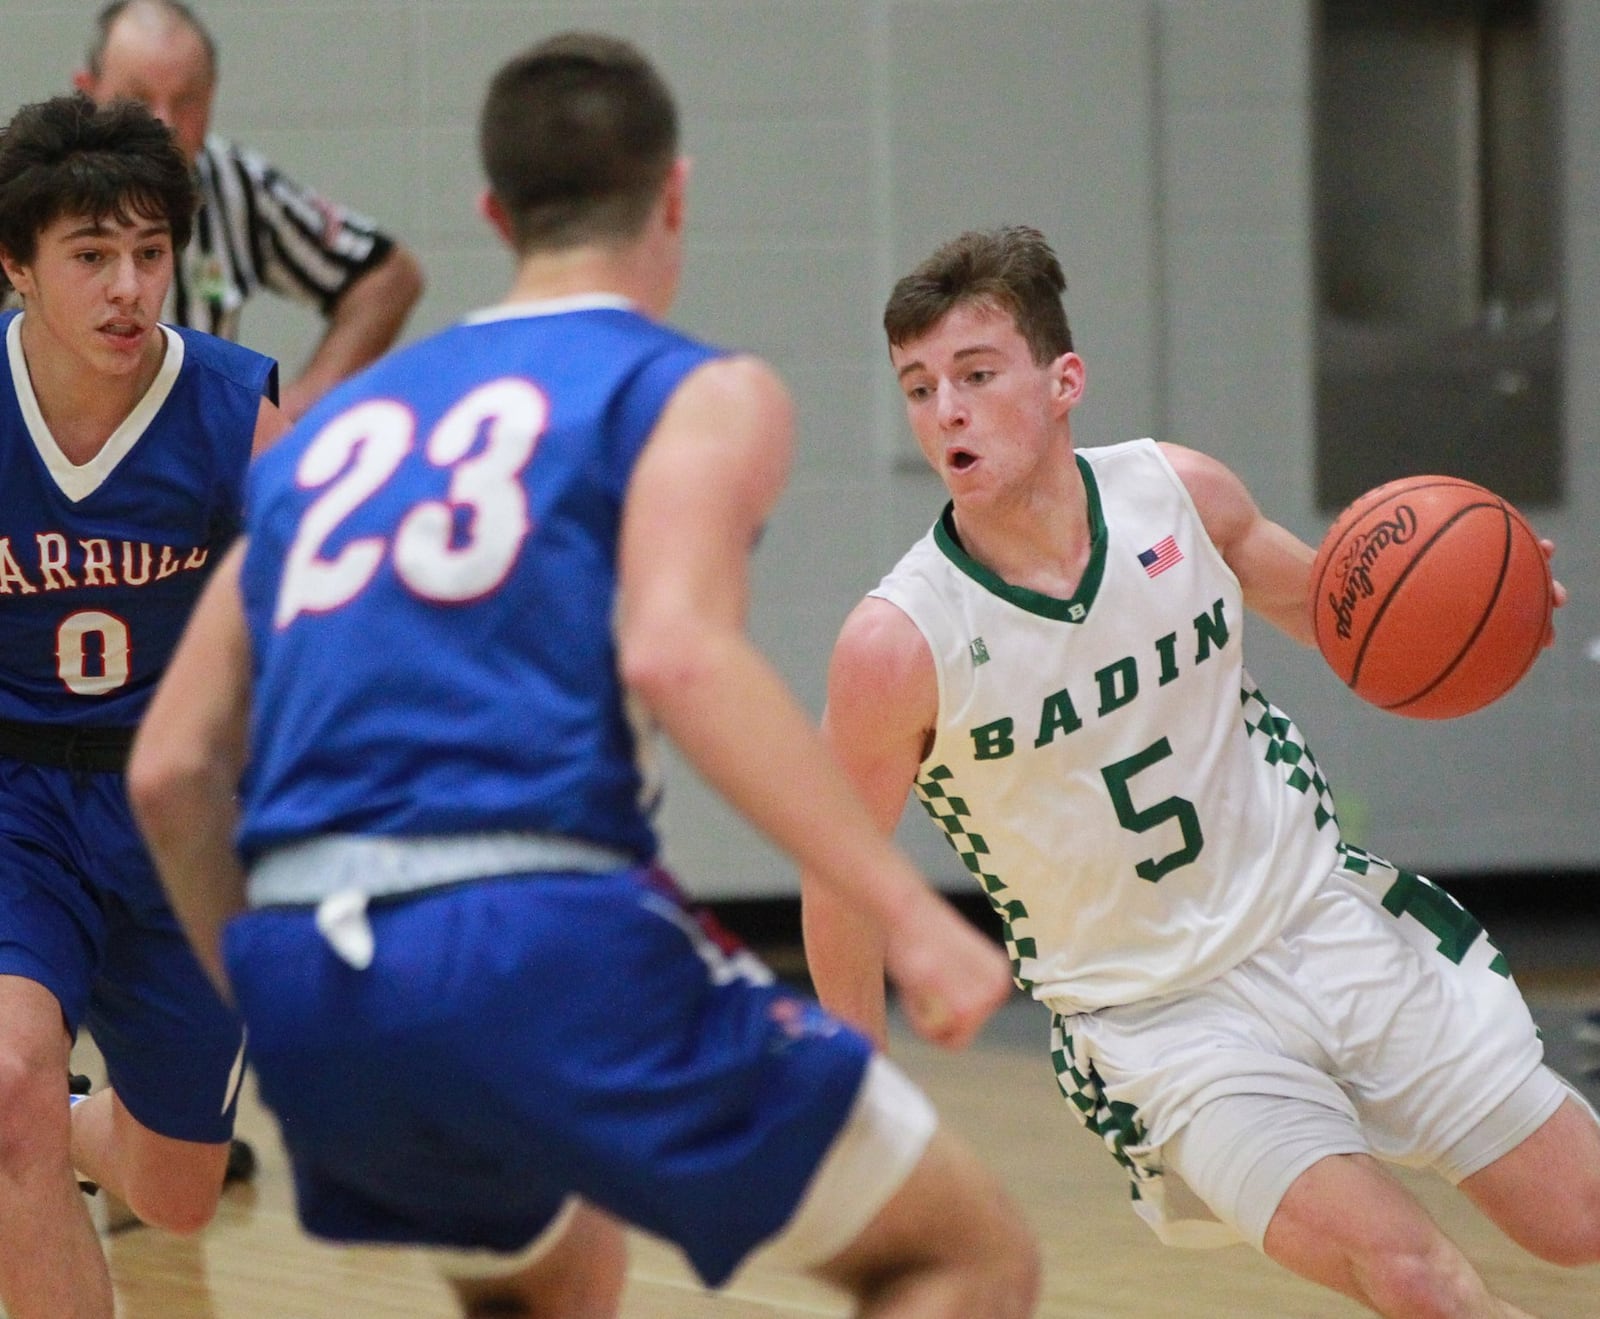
[63, 746]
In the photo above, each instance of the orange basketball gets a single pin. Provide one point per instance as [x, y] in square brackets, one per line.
[1430, 597]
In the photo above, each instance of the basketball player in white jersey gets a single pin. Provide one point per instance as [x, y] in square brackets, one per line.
[1243, 1006]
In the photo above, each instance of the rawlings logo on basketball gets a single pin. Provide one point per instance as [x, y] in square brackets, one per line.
[1430, 596]
[1354, 570]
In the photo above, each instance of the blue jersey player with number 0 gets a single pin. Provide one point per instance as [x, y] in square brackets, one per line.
[123, 449]
[475, 579]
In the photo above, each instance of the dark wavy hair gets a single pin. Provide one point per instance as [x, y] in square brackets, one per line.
[1013, 269]
[65, 156]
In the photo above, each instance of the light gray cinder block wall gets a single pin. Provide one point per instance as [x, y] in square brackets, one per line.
[1164, 147]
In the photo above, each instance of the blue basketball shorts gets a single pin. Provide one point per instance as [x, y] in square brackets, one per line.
[82, 913]
[518, 1041]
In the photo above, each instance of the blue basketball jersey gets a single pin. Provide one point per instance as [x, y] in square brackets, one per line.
[430, 583]
[101, 563]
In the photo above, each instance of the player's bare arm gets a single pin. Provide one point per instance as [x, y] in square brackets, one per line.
[701, 491]
[882, 701]
[1273, 565]
[699, 494]
[186, 760]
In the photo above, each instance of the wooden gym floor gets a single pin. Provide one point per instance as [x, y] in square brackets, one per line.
[1099, 1259]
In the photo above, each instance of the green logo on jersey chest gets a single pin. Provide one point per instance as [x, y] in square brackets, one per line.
[1115, 685]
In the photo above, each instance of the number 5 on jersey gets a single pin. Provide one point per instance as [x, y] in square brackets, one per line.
[1139, 821]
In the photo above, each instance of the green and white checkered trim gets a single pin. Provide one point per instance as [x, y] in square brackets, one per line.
[1445, 920]
[952, 815]
[1282, 744]
[1115, 1122]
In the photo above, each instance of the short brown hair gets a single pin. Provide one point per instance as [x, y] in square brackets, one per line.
[66, 156]
[1013, 268]
[577, 136]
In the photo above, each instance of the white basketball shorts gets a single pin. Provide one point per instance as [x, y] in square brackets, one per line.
[1382, 1021]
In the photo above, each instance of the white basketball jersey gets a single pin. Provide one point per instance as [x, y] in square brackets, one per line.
[1138, 813]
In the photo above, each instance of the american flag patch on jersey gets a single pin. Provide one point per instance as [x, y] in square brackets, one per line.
[1161, 556]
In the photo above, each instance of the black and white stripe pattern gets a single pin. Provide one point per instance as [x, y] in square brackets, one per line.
[257, 228]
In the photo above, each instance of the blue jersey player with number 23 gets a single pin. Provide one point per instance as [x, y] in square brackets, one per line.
[476, 578]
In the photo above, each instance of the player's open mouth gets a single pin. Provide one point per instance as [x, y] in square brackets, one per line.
[960, 459]
[126, 330]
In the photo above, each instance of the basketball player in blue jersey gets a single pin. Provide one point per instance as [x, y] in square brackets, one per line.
[476, 577]
[123, 448]
[1243, 1006]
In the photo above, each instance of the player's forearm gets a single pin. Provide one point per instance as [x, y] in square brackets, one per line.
[737, 723]
[845, 958]
[188, 824]
[1275, 574]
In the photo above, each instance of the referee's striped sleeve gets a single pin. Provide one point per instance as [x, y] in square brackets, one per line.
[291, 239]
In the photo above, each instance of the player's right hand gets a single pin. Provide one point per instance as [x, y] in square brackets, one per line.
[949, 976]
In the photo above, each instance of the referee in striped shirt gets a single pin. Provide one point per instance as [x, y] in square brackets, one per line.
[255, 228]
